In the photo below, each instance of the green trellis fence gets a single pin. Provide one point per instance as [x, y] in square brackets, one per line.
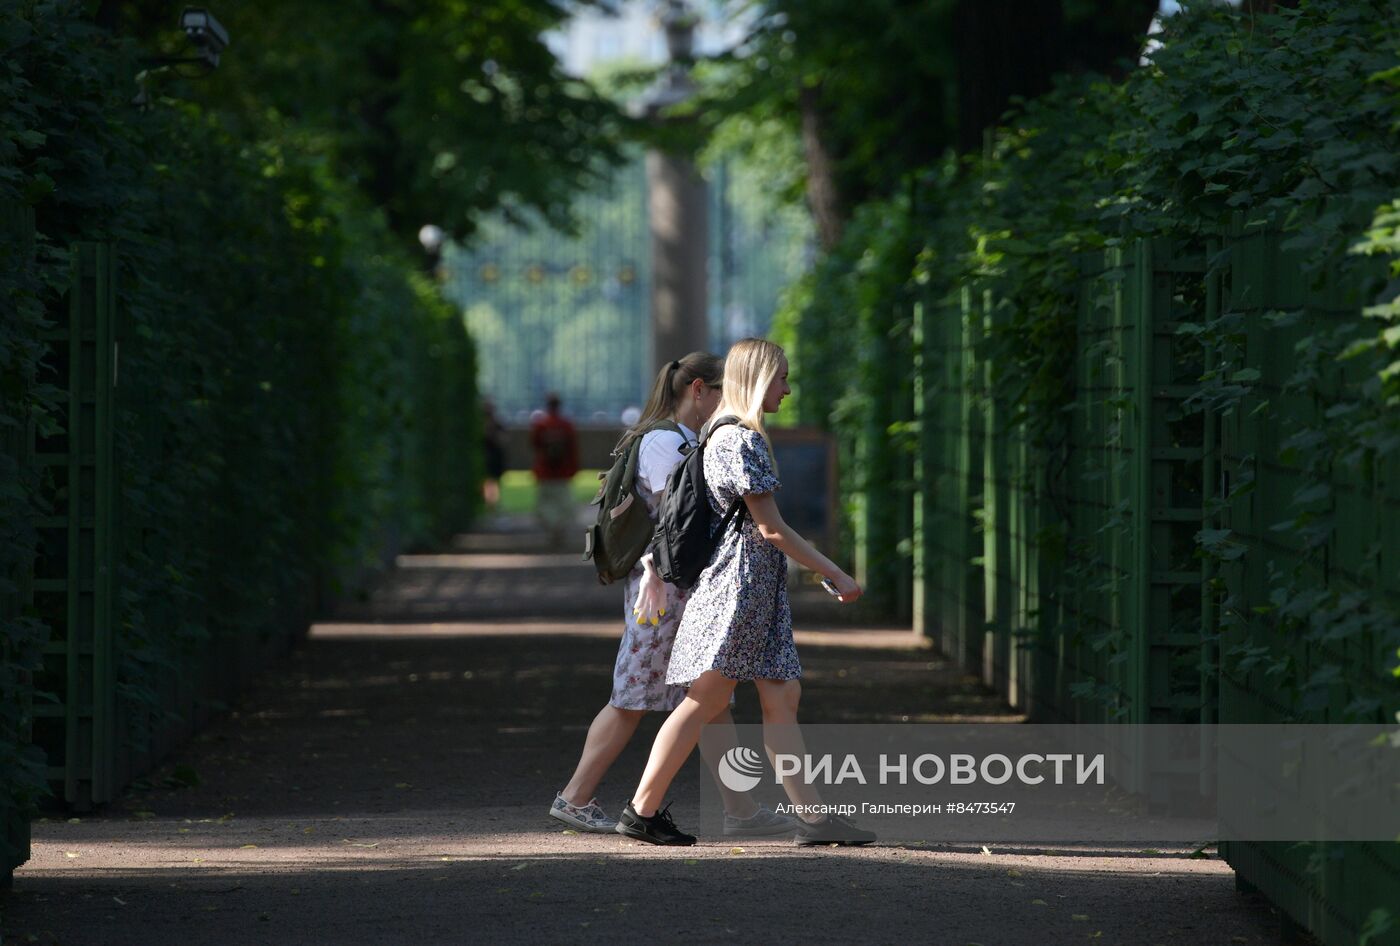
[16, 583]
[1327, 889]
[1066, 572]
[1031, 562]
[133, 612]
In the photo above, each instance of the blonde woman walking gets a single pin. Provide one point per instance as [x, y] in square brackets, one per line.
[737, 623]
[683, 397]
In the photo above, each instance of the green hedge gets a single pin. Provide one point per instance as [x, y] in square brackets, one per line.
[296, 399]
[1241, 128]
[1289, 119]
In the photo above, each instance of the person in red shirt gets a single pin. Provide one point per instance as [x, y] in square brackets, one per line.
[555, 445]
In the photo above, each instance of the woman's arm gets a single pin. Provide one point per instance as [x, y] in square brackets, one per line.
[771, 525]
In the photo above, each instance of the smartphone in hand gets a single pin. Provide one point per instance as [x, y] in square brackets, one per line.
[830, 587]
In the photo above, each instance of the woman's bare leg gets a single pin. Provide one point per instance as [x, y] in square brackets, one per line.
[607, 736]
[781, 735]
[706, 698]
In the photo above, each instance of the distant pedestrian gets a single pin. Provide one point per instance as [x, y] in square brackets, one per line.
[494, 453]
[682, 399]
[737, 623]
[555, 444]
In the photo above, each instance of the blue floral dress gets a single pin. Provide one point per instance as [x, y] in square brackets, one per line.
[738, 620]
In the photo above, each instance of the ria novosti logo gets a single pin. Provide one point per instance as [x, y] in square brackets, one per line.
[740, 769]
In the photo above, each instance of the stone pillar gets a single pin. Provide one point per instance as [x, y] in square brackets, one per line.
[678, 210]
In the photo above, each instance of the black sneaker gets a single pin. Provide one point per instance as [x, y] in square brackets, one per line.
[658, 829]
[832, 830]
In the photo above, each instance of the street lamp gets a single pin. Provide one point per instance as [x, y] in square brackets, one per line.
[431, 236]
[206, 33]
[209, 39]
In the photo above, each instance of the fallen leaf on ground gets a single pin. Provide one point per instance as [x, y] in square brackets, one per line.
[736, 850]
[247, 847]
[986, 850]
[1079, 916]
[1037, 902]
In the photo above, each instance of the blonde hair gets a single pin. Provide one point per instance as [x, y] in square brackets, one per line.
[749, 368]
[669, 388]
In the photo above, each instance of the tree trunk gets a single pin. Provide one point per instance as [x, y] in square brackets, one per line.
[823, 196]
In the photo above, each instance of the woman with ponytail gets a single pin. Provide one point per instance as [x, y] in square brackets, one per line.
[737, 624]
[682, 399]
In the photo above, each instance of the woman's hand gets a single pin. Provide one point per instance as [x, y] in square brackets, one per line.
[846, 587]
[651, 596]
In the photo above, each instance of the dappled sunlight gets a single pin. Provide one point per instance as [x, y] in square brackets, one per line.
[462, 629]
[507, 562]
[233, 844]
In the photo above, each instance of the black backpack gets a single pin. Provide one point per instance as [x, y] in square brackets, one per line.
[683, 544]
[624, 527]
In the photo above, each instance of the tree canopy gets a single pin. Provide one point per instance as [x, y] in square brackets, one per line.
[437, 110]
[880, 88]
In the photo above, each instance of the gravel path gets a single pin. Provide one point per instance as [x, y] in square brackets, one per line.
[388, 782]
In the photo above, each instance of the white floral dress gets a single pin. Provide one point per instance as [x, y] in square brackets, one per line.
[639, 675]
[738, 620]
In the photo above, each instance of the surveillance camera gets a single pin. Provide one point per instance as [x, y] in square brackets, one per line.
[206, 33]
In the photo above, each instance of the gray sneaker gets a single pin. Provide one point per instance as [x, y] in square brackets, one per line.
[764, 823]
[589, 817]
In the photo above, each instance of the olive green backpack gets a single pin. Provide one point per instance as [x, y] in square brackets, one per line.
[624, 527]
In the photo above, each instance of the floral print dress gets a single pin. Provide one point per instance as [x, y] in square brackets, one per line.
[738, 620]
[639, 674]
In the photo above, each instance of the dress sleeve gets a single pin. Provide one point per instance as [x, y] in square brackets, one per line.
[753, 466]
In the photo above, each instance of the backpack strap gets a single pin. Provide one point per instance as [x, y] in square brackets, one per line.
[715, 423]
[674, 428]
[738, 509]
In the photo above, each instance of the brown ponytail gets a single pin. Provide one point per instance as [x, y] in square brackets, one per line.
[669, 388]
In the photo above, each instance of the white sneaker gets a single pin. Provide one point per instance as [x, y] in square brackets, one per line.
[589, 817]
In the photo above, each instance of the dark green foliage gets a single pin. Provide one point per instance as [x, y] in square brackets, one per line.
[295, 400]
[1276, 117]
[882, 87]
[438, 111]
[1274, 139]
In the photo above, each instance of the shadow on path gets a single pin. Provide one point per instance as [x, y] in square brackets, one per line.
[388, 783]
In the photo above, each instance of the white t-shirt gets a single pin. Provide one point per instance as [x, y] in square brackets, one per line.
[658, 457]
